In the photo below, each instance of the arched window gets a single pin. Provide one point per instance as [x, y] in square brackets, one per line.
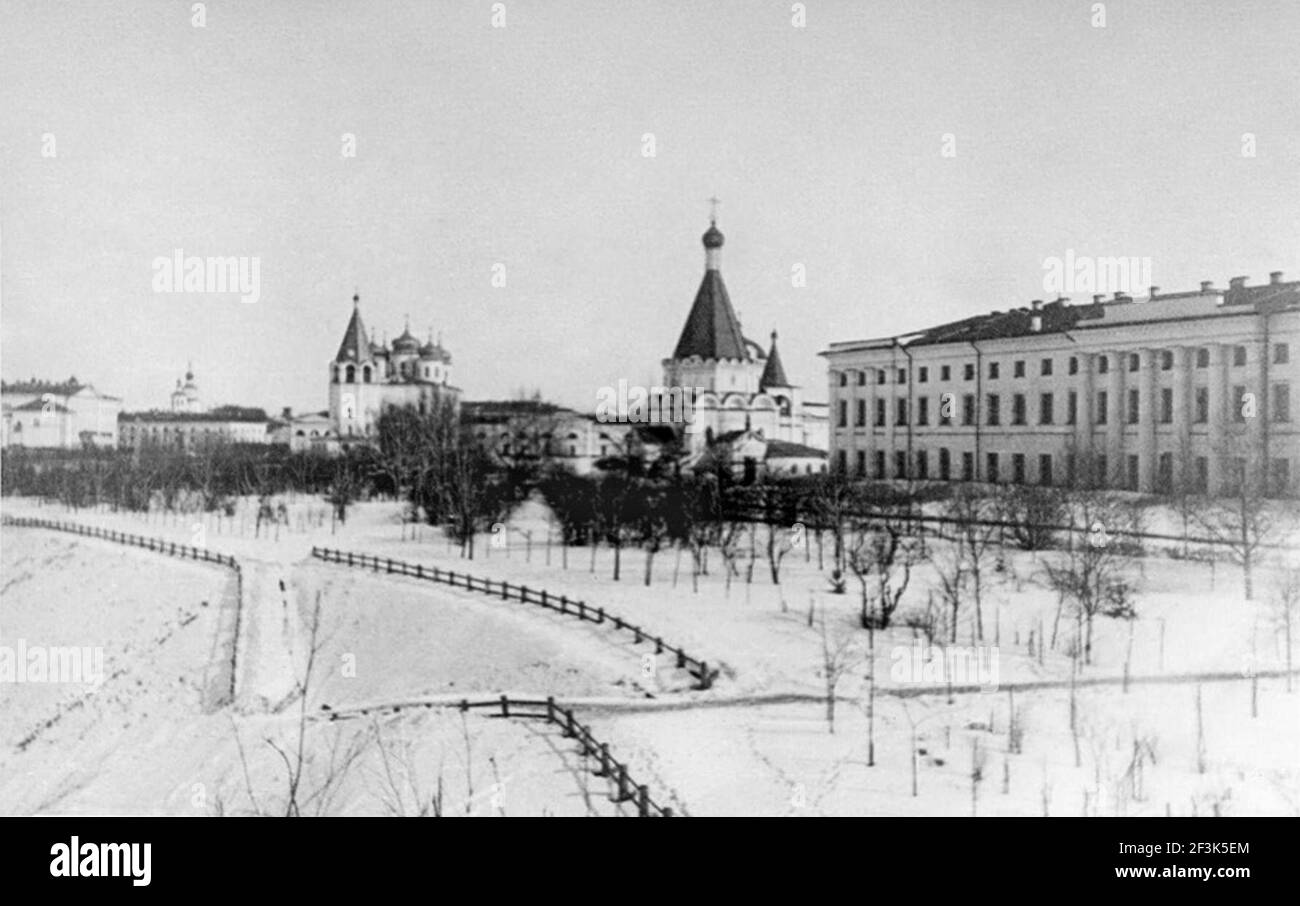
[350, 375]
[365, 374]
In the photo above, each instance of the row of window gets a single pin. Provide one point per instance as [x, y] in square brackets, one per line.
[405, 370]
[1281, 356]
[1279, 477]
[1279, 408]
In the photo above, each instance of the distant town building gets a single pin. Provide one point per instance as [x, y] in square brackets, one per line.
[748, 456]
[185, 398]
[1186, 390]
[190, 431]
[67, 415]
[523, 430]
[309, 432]
[365, 377]
[736, 385]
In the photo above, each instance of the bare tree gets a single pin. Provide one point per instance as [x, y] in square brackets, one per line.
[1286, 607]
[1091, 575]
[1243, 522]
[838, 657]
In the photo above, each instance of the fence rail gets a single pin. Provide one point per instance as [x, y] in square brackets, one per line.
[504, 590]
[547, 709]
[158, 545]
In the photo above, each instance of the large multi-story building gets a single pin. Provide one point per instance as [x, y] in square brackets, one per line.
[68, 415]
[365, 377]
[735, 384]
[1176, 391]
[188, 426]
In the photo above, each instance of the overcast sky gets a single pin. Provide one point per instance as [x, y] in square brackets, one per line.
[523, 147]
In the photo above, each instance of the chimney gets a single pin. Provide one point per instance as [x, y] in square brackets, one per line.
[1207, 285]
[1275, 277]
[1237, 282]
[288, 413]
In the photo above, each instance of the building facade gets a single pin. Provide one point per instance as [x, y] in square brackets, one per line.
[67, 415]
[1177, 391]
[365, 377]
[189, 431]
[735, 384]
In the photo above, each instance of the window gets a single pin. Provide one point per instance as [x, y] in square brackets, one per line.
[1103, 364]
[1133, 472]
[970, 372]
[1239, 400]
[862, 378]
[922, 465]
[1202, 358]
[902, 375]
[900, 463]
[992, 467]
[880, 413]
[1134, 406]
[945, 464]
[1281, 402]
[968, 409]
[1281, 354]
[843, 461]
[922, 375]
[1045, 468]
[1074, 365]
[1238, 356]
[993, 371]
[1165, 473]
[1018, 468]
[350, 375]
[1018, 409]
[1166, 405]
[861, 419]
[1045, 407]
[844, 414]
[1134, 361]
[901, 418]
[1072, 408]
[1202, 405]
[923, 411]
[1202, 474]
[945, 373]
[1103, 403]
[880, 375]
[1166, 359]
[994, 418]
[844, 378]
[967, 466]
[1045, 368]
[1279, 477]
[880, 464]
[862, 463]
[1018, 368]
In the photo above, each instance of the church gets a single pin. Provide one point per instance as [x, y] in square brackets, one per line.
[741, 392]
[365, 377]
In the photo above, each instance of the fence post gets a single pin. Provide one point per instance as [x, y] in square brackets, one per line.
[505, 706]
[505, 590]
[568, 720]
[681, 659]
[623, 793]
[666, 812]
[638, 634]
[550, 709]
[523, 593]
[604, 761]
[419, 571]
[564, 600]
[582, 611]
[659, 645]
[544, 601]
[600, 615]
[643, 801]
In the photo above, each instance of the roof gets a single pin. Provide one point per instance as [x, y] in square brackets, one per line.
[1060, 316]
[40, 405]
[219, 414]
[355, 347]
[784, 449]
[64, 388]
[712, 329]
[773, 371]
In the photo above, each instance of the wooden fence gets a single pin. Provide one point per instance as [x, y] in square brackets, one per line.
[158, 545]
[547, 709]
[504, 590]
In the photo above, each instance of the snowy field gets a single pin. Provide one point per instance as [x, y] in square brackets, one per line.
[148, 740]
